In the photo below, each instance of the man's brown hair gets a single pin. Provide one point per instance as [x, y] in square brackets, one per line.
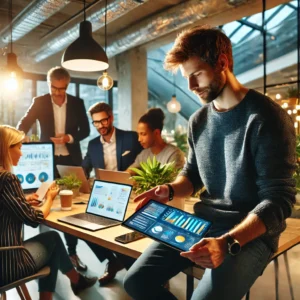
[201, 41]
[99, 107]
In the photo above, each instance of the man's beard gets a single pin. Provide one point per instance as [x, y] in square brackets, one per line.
[214, 90]
[108, 130]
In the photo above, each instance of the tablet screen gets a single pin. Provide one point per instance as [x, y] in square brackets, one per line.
[169, 225]
[35, 166]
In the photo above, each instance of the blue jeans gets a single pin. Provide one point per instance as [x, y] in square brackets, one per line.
[48, 249]
[230, 281]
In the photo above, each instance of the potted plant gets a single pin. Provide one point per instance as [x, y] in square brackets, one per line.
[69, 182]
[152, 173]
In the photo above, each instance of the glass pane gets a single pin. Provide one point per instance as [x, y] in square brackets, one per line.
[26, 97]
[240, 34]
[14, 104]
[42, 88]
[280, 17]
[72, 89]
[230, 27]
[256, 19]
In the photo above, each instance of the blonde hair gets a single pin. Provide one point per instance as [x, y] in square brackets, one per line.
[9, 137]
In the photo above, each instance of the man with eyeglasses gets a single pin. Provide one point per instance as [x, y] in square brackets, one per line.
[63, 121]
[115, 150]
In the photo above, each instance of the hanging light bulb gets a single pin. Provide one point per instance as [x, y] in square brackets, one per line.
[105, 82]
[12, 73]
[173, 106]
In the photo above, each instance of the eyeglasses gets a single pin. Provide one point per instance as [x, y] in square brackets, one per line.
[103, 122]
[56, 89]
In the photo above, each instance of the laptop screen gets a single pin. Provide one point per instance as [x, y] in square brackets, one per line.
[109, 199]
[169, 225]
[36, 165]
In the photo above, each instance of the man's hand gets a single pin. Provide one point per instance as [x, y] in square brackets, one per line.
[208, 253]
[60, 139]
[32, 199]
[159, 193]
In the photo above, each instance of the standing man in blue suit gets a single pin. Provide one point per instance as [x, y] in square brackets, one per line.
[115, 150]
[63, 121]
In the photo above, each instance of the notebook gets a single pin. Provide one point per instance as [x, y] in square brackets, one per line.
[79, 172]
[106, 207]
[36, 165]
[169, 225]
[115, 176]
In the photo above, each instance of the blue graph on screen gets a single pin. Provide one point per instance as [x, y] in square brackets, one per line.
[32, 156]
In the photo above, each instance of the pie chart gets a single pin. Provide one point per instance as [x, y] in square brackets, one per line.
[157, 229]
[179, 238]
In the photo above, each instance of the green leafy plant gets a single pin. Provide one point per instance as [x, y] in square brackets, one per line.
[181, 141]
[152, 173]
[69, 182]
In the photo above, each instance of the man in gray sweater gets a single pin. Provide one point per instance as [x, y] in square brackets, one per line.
[242, 150]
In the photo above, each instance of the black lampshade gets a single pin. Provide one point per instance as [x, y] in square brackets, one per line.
[85, 54]
[12, 64]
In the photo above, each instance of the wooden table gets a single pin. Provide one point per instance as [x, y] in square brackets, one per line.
[103, 237]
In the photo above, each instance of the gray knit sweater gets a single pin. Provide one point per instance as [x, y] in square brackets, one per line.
[245, 158]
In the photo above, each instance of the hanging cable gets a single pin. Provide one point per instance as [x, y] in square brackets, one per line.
[11, 31]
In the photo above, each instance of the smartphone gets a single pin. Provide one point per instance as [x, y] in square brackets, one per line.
[129, 237]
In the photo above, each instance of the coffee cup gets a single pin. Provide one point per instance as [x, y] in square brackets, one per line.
[66, 197]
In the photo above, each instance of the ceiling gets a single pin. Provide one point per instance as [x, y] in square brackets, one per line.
[131, 23]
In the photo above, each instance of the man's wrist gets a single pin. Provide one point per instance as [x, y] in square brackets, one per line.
[171, 191]
[234, 246]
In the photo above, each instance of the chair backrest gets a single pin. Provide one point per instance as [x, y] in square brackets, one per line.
[41, 273]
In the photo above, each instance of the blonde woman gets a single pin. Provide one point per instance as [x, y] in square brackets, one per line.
[16, 210]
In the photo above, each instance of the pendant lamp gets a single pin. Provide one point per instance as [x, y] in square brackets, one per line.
[13, 73]
[174, 105]
[105, 82]
[85, 54]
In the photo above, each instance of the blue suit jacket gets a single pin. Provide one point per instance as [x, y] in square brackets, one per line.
[125, 140]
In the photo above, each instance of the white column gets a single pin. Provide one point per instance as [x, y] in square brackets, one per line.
[132, 87]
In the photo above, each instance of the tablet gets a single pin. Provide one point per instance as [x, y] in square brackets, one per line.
[35, 166]
[169, 225]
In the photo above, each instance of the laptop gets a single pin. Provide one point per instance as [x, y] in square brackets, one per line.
[169, 225]
[79, 172]
[106, 207]
[115, 176]
[36, 165]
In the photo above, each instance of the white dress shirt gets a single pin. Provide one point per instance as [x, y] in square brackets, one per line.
[60, 115]
[110, 152]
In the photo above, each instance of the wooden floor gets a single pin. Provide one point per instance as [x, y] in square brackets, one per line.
[263, 289]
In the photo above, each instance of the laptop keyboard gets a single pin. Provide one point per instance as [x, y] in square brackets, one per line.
[96, 219]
